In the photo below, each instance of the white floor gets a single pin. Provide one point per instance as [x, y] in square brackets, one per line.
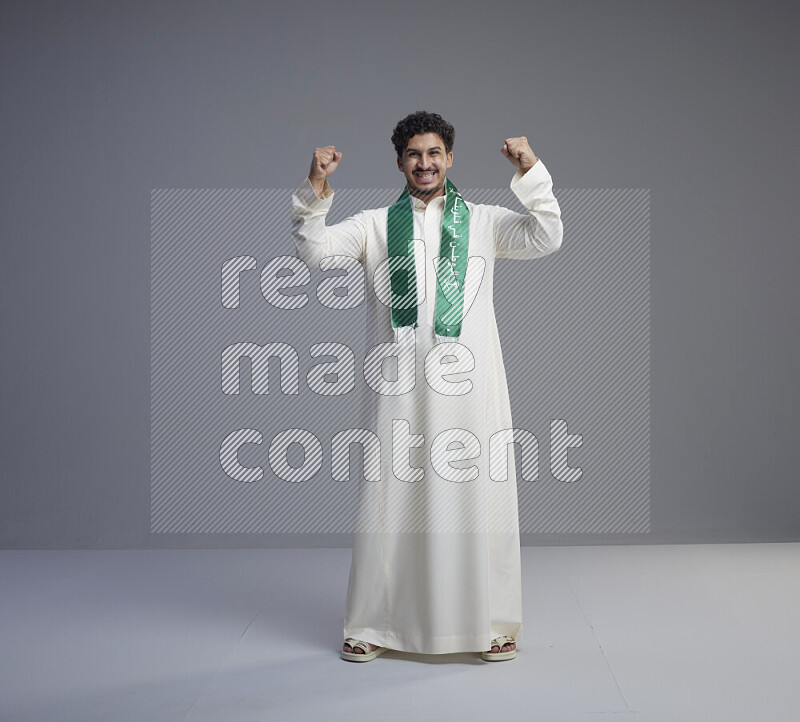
[623, 633]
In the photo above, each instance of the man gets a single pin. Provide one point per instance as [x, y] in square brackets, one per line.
[436, 555]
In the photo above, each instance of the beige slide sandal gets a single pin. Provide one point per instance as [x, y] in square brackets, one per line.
[500, 656]
[368, 655]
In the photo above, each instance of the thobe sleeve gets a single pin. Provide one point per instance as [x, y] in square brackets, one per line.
[314, 239]
[532, 234]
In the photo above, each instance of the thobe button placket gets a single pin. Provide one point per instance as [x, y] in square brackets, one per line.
[431, 225]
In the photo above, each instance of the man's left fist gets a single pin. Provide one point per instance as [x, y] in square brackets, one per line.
[519, 153]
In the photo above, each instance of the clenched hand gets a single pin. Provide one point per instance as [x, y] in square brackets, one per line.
[323, 163]
[519, 153]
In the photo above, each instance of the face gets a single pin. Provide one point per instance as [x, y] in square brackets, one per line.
[424, 164]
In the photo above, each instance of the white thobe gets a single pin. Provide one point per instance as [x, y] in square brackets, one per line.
[436, 552]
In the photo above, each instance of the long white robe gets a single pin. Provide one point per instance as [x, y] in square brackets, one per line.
[436, 552]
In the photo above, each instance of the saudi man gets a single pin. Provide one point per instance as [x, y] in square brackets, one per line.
[436, 554]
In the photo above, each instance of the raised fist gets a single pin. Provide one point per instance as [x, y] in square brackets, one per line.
[324, 163]
[519, 152]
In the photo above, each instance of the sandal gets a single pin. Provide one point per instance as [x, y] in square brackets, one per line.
[499, 656]
[369, 654]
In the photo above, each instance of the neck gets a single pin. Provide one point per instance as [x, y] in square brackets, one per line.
[426, 196]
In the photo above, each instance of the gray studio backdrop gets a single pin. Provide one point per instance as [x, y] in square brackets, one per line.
[668, 315]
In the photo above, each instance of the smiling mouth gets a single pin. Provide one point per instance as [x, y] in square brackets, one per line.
[428, 175]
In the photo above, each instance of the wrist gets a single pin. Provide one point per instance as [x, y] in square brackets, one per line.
[318, 186]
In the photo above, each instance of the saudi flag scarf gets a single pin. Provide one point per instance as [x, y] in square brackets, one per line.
[452, 270]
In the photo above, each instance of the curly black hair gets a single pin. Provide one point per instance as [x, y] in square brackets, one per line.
[422, 122]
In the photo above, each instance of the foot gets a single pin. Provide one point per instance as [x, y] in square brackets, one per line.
[507, 647]
[358, 650]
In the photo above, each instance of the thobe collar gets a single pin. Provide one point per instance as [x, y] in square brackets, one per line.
[419, 203]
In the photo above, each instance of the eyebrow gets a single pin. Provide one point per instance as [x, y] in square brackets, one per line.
[416, 150]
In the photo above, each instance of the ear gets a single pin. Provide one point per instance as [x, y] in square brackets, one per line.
[450, 159]
[399, 163]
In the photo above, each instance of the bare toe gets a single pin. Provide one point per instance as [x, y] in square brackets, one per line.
[358, 650]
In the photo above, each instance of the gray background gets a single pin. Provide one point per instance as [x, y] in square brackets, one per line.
[101, 102]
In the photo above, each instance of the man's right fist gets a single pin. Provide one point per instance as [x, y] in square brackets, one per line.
[324, 163]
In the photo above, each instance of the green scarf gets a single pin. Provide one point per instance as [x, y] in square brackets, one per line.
[451, 273]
